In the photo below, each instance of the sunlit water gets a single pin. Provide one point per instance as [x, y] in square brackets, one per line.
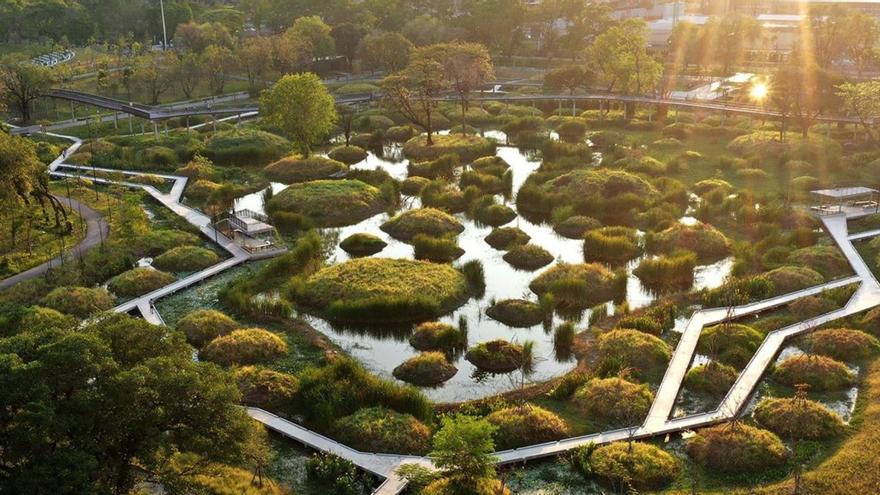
[383, 350]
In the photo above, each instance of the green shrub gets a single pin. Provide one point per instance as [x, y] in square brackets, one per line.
[204, 325]
[413, 186]
[493, 214]
[496, 356]
[492, 165]
[526, 424]
[78, 301]
[371, 123]
[730, 343]
[572, 129]
[705, 186]
[486, 183]
[642, 323]
[736, 449]
[429, 221]
[843, 344]
[614, 402]
[798, 418]
[329, 203]
[362, 244]
[645, 355]
[702, 239]
[341, 475]
[242, 146]
[738, 291]
[713, 379]
[266, 389]
[436, 336]
[139, 281]
[157, 157]
[443, 167]
[786, 279]
[826, 260]
[579, 285]
[186, 259]
[244, 346]
[377, 429]
[468, 147]
[575, 226]
[504, 238]
[294, 168]
[201, 189]
[821, 373]
[399, 134]
[437, 249]
[444, 196]
[37, 318]
[426, 370]
[528, 257]
[667, 273]
[517, 313]
[636, 466]
[612, 245]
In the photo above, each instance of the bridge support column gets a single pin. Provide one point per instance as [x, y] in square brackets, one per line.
[116, 120]
[155, 129]
[166, 127]
[130, 124]
[73, 110]
[573, 109]
[187, 121]
[143, 131]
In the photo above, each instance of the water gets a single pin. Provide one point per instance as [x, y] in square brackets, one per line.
[382, 351]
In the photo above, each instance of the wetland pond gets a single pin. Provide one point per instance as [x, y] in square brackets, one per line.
[382, 349]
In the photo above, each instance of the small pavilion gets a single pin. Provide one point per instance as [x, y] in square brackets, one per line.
[248, 229]
[853, 201]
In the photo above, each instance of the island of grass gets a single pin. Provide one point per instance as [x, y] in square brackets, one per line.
[437, 336]
[702, 239]
[844, 344]
[362, 244]
[78, 301]
[384, 290]
[295, 168]
[496, 356]
[468, 147]
[204, 325]
[641, 466]
[245, 147]
[575, 226]
[517, 313]
[139, 281]
[731, 343]
[329, 203]
[428, 221]
[413, 186]
[504, 238]
[265, 388]
[186, 259]
[526, 424]
[614, 402]
[528, 257]
[798, 417]
[348, 154]
[644, 355]
[599, 187]
[376, 429]
[821, 373]
[712, 379]
[736, 449]
[580, 285]
[787, 279]
[425, 370]
[613, 245]
[245, 346]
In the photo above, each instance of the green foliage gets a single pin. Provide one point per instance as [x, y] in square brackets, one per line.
[843, 344]
[362, 244]
[265, 388]
[491, 213]
[186, 259]
[244, 346]
[475, 275]
[713, 379]
[413, 186]
[442, 167]
[139, 281]
[736, 449]
[730, 343]
[204, 325]
[376, 429]
[468, 147]
[429, 221]
[826, 260]
[329, 203]
[436, 336]
[497, 356]
[517, 313]
[668, 273]
[79, 301]
[243, 146]
[437, 249]
[579, 285]
[821, 373]
[798, 418]
[738, 291]
[787, 279]
[575, 226]
[399, 134]
[426, 369]
[300, 106]
[348, 154]
[462, 451]
[612, 245]
[528, 257]
[526, 424]
[614, 402]
[630, 466]
[644, 355]
[702, 239]
[504, 238]
[294, 168]
[344, 477]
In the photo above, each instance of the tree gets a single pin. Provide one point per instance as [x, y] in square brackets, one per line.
[197, 37]
[826, 34]
[346, 121]
[498, 24]
[21, 83]
[300, 107]
[730, 35]
[152, 77]
[218, 62]
[187, 71]
[254, 57]
[291, 53]
[570, 77]
[463, 452]
[413, 90]
[316, 32]
[385, 51]
[862, 35]
[802, 92]
[347, 37]
[863, 101]
[466, 67]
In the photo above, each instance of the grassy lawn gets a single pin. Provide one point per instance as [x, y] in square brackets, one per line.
[38, 244]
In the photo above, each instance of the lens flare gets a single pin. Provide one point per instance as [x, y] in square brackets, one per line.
[758, 91]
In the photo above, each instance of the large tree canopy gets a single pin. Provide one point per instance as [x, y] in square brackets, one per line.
[301, 108]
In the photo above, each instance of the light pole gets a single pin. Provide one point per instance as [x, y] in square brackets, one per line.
[164, 30]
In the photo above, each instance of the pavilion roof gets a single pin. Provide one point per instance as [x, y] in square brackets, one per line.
[844, 192]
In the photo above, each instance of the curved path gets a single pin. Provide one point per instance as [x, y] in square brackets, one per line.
[96, 232]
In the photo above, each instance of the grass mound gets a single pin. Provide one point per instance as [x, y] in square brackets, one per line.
[517, 313]
[798, 418]
[240, 146]
[428, 221]
[614, 402]
[574, 227]
[493, 165]
[245, 346]
[639, 466]
[705, 186]
[294, 168]
[139, 281]
[371, 289]
[504, 238]
[787, 279]
[78, 301]
[266, 389]
[186, 259]
[494, 214]
[528, 257]
[667, 273]
[414, 185]
[713, 379]
[730, 343]
[590, 187]
[426, 369]
[497, 356]
[702, 239]
[348, 154]
[204, 325]
[399, 133]
[579, 285]
[377, 429]
[645, 355]
[436, 249]
[362, 244]
[826, 260]
[612, 245]
[526, 424]
[844, 344]
[329, 203]
[736, 449]
[436, 336]
[467, 147]
[821, 373]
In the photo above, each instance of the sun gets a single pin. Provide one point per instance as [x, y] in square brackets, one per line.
[758, 91]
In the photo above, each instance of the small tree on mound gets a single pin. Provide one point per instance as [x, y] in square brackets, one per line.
[526, 424]
[300, 106]
[463, 452]
[246, 346]
[204, 325]
[736, 448]
[614, 402]
[79, 301]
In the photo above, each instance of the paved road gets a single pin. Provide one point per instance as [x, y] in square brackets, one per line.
[96, 231]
